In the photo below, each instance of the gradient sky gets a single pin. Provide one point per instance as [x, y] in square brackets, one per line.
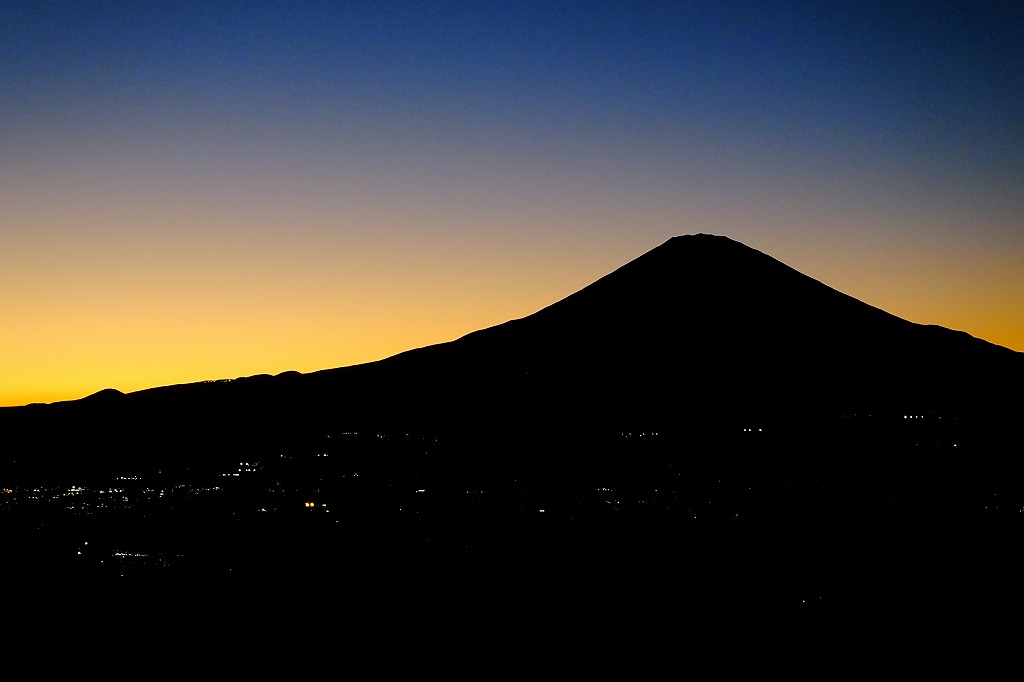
[195, 191]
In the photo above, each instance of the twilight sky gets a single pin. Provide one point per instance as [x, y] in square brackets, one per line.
[195, 191]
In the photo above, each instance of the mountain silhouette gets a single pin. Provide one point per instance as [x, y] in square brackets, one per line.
[700, 330]
[701, 325]
[703, 423]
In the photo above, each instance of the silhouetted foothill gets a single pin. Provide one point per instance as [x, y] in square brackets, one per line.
[105, 395]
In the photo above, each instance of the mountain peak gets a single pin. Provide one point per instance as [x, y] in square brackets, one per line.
[702, 236]
[687, 271]
[727, 324]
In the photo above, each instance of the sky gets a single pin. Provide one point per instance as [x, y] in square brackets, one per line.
[194, 191]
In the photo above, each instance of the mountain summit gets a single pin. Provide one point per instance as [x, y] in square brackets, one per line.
[701, 324]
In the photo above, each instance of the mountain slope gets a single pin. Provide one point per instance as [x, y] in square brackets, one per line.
[704, 323]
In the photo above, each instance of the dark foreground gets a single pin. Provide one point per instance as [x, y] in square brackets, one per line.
[920, 514]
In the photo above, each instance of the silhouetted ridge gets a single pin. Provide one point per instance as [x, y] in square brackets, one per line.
[697, 329]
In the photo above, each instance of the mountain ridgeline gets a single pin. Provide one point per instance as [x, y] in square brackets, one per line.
[704, 424]
[701, 333]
